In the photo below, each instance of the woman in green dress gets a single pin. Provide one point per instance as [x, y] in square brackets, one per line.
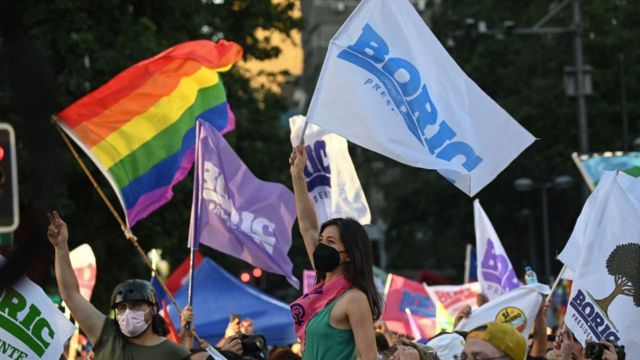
[334, 320]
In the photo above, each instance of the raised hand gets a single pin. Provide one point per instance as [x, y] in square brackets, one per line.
[57, 232]
[298, 160]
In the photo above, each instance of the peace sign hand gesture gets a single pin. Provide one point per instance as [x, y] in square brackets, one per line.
[57, 232]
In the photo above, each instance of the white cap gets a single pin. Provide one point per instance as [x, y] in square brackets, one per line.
[447, 345]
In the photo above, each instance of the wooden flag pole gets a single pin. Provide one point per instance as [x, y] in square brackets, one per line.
[555, 284]
[125, 229]
[576, 160]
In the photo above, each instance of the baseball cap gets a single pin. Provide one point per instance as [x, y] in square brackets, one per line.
[447, 345]
[504, 337]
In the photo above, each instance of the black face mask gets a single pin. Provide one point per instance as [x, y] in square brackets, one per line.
[326, 258]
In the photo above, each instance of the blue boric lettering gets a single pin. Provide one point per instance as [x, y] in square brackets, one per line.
[317, 172]
[403, 84]
[418, 304]
[593, 319]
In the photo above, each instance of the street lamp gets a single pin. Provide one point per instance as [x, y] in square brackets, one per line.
[577, 77]
[526, 184]
[636, 144]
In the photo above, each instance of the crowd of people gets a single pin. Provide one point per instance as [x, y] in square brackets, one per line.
[336, 319]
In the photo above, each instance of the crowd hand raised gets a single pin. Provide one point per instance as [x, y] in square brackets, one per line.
[464, 313]
[610, 352]
[232, 344]
[233, 328]
[57, 232]
[481, 299]
[565, 342]
[298, 160]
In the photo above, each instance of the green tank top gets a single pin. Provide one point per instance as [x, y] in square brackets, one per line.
[324, 341]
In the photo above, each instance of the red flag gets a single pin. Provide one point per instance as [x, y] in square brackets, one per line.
[181, 275]
[403, 294]
[173, 333]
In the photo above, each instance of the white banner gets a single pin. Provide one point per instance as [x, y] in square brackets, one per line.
[518, 307]
[331, 177]
[388, 85]
[495, 273]
[604, 252]
[83, 262]
[455, 297]
[31, 326]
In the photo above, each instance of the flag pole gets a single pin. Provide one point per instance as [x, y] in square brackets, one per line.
[304, 130]
[467, 262]
[417, 335]
[555, 283]
[125, 229]
[190, 292]
[193, 241]
[583, 172]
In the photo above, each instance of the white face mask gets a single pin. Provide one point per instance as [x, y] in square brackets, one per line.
[132, 322]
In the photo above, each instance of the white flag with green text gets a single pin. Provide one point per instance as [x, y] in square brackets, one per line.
[31, 325]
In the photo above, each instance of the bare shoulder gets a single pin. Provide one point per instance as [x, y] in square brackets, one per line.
[356, 297]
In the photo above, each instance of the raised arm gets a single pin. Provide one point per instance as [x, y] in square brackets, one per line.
[307, 220]
[539, 347]
[89, 318]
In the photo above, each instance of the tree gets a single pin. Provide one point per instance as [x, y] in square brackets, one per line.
[524, 75]
[81, 45]
[623, 264]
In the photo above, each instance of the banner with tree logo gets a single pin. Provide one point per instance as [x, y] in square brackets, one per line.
[604, 253]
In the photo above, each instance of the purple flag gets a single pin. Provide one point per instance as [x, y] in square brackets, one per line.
[237, 213]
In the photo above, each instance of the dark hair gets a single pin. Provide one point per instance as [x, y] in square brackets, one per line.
[359, 270]
[381, 342]
[159, 326]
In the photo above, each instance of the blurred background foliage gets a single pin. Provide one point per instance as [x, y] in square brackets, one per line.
[54, 52]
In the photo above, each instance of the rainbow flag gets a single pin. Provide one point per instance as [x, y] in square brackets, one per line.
[139, 128]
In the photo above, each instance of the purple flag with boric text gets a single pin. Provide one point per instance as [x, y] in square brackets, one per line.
[237, 213]
[494, 268]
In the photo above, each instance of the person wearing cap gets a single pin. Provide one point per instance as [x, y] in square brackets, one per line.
[494, 341]
[137, 332]
[447, 344]
[409, 350]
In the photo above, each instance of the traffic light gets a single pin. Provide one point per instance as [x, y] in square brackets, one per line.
[9, 212]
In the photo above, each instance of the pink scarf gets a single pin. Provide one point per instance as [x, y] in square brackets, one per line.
[305, 307]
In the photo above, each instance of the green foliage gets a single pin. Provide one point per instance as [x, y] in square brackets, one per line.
[524, 74]
[85, 44]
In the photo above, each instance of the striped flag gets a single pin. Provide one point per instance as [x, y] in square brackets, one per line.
[139, 128]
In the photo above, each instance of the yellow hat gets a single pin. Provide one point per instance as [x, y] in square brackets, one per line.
[504, 337]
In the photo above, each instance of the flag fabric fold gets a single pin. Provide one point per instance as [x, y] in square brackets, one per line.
[236, 213]
[518, 307]
[604, 253]
[331, 178]
[407, 99]
[495, 272]
[139, 128]
[455, 297]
